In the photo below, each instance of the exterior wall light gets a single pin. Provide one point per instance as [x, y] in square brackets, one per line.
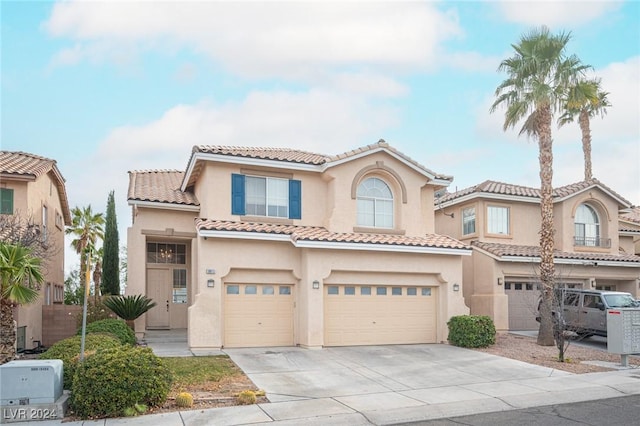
[211, 282]
[316, 284]
[500, 281]
[456, 287]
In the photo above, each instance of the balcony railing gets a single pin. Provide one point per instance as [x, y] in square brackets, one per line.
[592, 242]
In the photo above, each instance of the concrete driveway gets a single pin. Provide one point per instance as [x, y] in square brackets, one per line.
[374, 378]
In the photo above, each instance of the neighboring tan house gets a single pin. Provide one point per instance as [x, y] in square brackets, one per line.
[280, 247]
[32, 188]
[594, 246]
[630, 231]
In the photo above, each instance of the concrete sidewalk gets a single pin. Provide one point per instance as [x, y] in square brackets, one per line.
[382, 385]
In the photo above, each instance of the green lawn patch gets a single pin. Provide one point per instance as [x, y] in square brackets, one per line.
[192, 372]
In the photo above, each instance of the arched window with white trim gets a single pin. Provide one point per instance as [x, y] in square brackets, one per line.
[587, 226]
[375, 204]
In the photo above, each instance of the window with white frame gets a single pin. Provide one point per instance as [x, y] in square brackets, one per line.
[498, 220]
[587, 226]
[45, 215]
[468, 220]
[375, 204]
[267, 196]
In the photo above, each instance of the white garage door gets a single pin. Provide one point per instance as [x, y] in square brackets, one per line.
[379, 315]
[258, 315]
[523, 302]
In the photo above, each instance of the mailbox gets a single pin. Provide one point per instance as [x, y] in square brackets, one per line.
[623, 332]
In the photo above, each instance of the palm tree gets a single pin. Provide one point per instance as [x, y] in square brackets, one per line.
[539, 75]
[585, 100]
[20, 276]
[87, 228]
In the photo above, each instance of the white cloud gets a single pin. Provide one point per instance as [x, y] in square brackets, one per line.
[265, 39]
[553, 13]
[473, 61]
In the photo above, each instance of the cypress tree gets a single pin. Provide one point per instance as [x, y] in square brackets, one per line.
[111, 257]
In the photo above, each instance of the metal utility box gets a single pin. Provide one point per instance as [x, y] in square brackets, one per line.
[30, 382]
[623, 331]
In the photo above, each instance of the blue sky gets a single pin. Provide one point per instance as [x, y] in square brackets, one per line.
[108, 87]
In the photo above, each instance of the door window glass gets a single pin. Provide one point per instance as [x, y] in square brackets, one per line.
[365, 291]
[332, 289]
[250, 289]
[349, 291]
[426, 291]
[284, 290]
[381, 291]
[267, 289]
[179, 286]
[233, 289]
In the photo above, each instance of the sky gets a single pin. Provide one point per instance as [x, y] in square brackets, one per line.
[108, 87]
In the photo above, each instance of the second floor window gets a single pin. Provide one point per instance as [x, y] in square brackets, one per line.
[587, 226]
[266, 196]
[498, 220]
[468, 221]
[375, 204]
[45, 219]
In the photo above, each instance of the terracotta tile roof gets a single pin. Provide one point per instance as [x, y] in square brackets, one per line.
[162, 186]
[502, 250]
[315, 233]
[501, 188]
[632, 216]
[22, 165]
[279, 154]
[298, 156]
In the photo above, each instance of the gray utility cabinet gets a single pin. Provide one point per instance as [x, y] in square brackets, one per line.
[623, 332]
[30, 382]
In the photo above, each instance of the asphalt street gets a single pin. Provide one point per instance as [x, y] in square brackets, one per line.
[611, 412]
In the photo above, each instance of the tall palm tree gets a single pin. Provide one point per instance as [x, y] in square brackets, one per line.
[585, 100]
[539, 75]
[20, 276]
[87, 228]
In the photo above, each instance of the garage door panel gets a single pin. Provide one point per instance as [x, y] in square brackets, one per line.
[522, 300]
[258, 319]
[379, 318]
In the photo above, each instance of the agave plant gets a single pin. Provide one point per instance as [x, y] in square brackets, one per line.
[129, 307]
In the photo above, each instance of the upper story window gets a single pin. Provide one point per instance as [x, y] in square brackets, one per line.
[497, 220]
[375, 204]
[167, 253]
[45, 217]
[587, 227]
[468, 220]
[266, 196]
[6, 201]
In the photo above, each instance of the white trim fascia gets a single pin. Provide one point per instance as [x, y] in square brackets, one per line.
[398, 157]
[579, 262]
[629, 232]
[617, 198]
[164, 206]
[488, 195]
[380, 247]
[243, 235]
[247, 161]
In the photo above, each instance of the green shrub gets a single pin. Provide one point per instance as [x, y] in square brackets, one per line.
[114, 380]
[246, 397]
[68, 350]
[114, 326]
[129, 307]
[472, 331]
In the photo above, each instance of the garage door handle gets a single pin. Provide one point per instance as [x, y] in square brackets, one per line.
[374, 322]
[259, 323]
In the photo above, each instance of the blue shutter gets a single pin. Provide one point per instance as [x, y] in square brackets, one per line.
[237, 194]
[295, 199]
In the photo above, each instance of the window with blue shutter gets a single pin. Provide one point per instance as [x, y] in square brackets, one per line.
[264, 196]
[295, 199]
[237, 194]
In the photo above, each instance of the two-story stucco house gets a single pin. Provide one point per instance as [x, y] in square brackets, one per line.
[33, 189]
[594, 241]
[280, 247]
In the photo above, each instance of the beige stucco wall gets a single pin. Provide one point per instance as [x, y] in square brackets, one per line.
[249, 261]
[29, 199]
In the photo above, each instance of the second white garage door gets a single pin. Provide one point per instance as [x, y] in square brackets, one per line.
[258, 315]
[523, 305]
[379, 315]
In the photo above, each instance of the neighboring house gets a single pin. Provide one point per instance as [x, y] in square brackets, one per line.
[594, 245]
[32, 188]
[280, 247]
[630, 231]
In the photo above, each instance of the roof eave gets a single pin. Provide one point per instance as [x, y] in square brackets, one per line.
[163, 205]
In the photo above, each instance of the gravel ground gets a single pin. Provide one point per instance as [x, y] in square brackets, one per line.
[523, 348]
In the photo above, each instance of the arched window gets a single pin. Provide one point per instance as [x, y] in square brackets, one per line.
[587, 226]
[375, 204]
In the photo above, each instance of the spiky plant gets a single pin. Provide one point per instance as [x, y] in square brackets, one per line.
[130, 307]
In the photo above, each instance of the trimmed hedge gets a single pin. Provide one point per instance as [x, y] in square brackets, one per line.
[472, 331]
[68, 350]
[114, 380]
[117, 327]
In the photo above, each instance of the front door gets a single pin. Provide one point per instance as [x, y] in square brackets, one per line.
[158, 289]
